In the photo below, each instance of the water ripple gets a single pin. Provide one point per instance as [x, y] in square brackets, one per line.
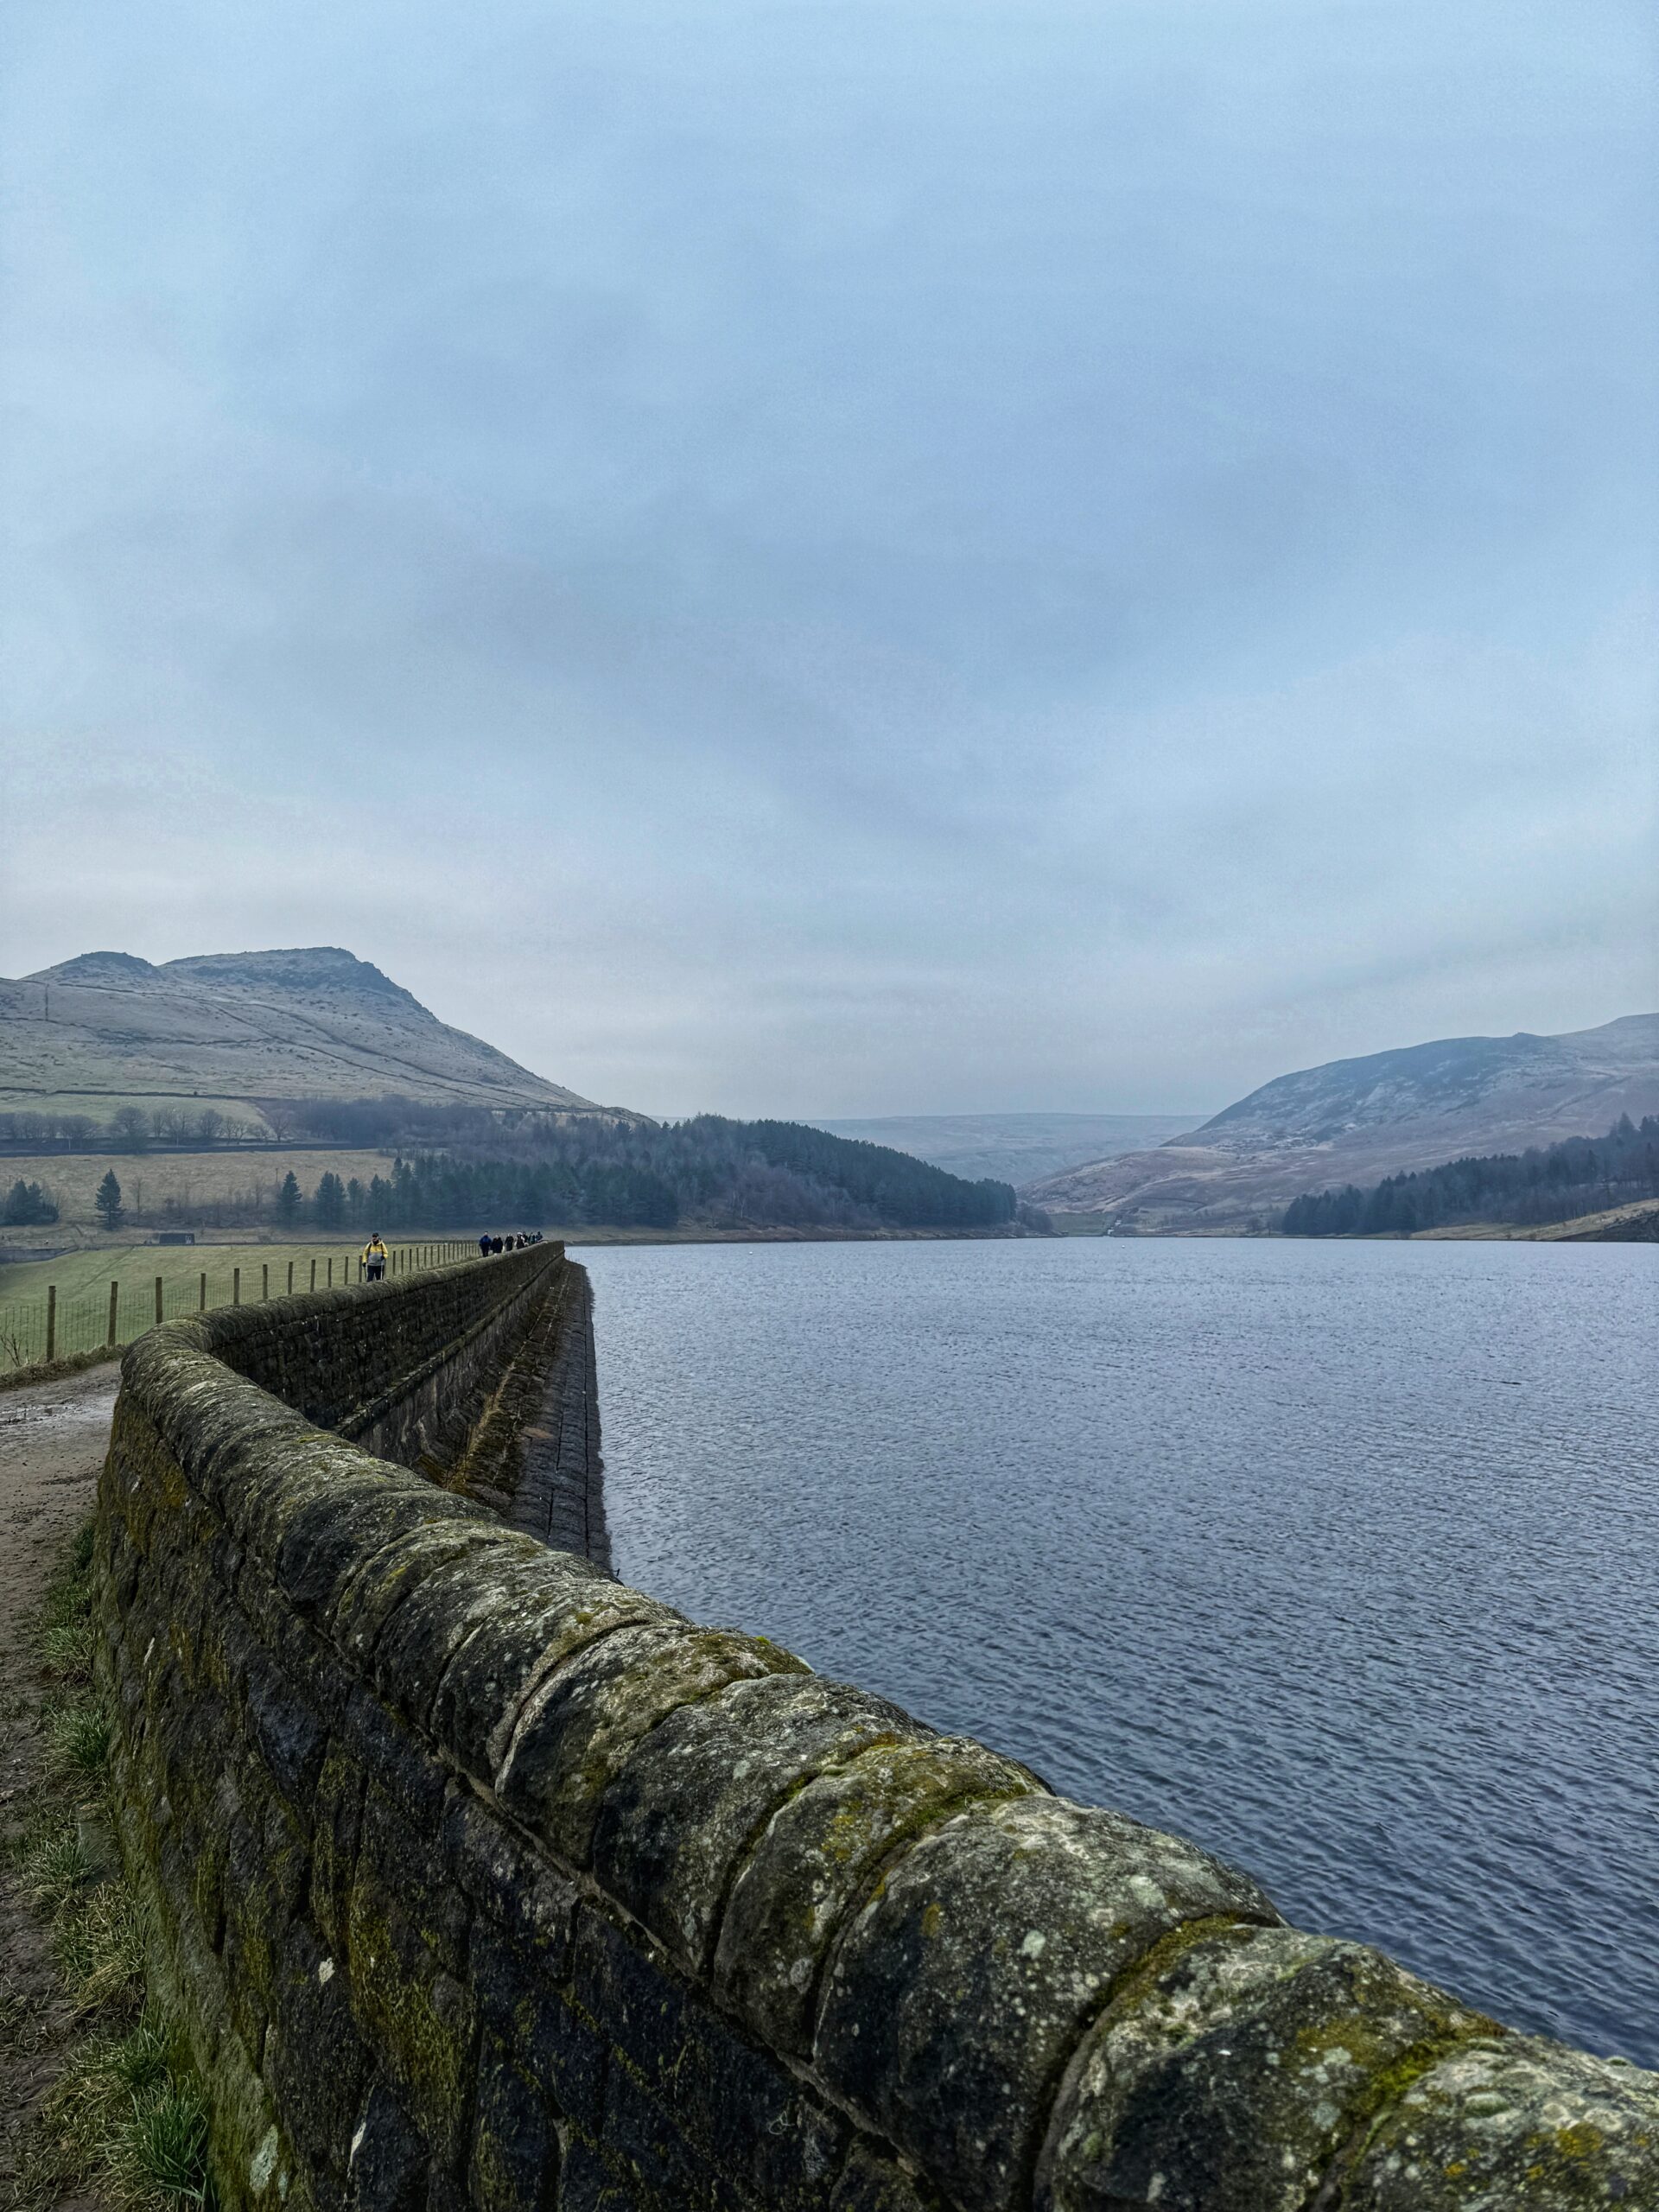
[1341, 1559]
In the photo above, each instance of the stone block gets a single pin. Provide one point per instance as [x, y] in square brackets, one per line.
[446, 1605]
[812, 1866]
[407, 1862]
[515, 2159]
[386, 2162]
[871, 2181]
[587, 2183]
[641, 2137]
[750, 2119]
[524, 2009]
[506, 1878]
[316, 2063]
[384, 1747]
[290, 1737]
[637, 2003]
[336, 1824]
[587, 1719]
[1517, 2121]
[418, 2018]
[955, 1996]
[344, 1561]
[696, 1792]
[1232, 2070]
[516, 1647]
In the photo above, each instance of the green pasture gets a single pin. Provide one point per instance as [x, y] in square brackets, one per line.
[191, 1278]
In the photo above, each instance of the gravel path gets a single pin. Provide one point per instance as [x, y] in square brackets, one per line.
[53, 1438]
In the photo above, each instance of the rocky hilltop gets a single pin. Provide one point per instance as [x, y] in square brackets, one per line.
[1356, 1120]
[309, 1022]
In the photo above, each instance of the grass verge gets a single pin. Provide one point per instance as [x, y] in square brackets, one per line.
[125, 2117]
[23, 1378]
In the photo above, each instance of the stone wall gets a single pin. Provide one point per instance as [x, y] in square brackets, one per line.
[406, 1376]
[482, 1879]
[534, 1455]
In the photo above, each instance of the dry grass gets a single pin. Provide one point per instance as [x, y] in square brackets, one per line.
[124, 2118]
[197, 1180]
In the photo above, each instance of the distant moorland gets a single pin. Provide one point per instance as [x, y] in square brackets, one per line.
[1012, 1148]
[1355, 1121]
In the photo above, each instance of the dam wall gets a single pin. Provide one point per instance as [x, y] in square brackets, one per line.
[481, 1879]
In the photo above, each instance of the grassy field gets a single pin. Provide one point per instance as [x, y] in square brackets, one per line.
[242, 1273]
[100, 1105]
[1585, 1225]
[196, 1181]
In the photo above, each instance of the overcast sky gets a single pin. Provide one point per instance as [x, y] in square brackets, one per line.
[842, 558]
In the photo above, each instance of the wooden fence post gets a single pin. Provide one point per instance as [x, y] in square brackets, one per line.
[51, 1321]
[158, 1298]
[331, 1271]
[236, 1286]
[313, 1271]
[204, 1290]
[290, 1278]
[115, 1293]
[264, 1279]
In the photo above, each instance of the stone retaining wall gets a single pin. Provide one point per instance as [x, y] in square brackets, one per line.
[482, 1879]
[406, 1376]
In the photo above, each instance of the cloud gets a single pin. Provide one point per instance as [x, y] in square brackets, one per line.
[842, 559]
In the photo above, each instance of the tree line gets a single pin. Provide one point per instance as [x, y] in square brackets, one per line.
[367, 1124]
[129, 1129]
[604, 1172]
[1545, 1183]
[595, 1172]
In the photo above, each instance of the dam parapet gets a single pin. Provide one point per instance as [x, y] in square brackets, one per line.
[478, 1878]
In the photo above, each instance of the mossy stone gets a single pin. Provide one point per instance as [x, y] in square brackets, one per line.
[697, 1791]
[962, 1988]
[812, 1865]
[1232, 2068]
[1517, 2121]
[593, 1711]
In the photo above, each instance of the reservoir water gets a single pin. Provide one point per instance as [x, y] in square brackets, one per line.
[1342, 1559]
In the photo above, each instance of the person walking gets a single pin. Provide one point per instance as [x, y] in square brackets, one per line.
[374, 1259]
[484, 1244]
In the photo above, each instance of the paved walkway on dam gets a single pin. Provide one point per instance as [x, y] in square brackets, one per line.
[53, 1439]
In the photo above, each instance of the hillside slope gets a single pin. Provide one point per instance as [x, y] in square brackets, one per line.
[311, 1022]
[1356, 1120]
[1012, 1148]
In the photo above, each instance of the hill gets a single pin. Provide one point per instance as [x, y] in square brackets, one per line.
[1358, 1120]
[242, 1026]
[1549, 1183]
[1012, 1148]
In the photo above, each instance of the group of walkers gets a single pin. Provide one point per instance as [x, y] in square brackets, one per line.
[375, 1256]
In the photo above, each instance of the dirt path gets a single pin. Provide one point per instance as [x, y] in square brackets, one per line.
[53, 1438]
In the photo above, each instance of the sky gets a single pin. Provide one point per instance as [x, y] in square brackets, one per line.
[881, 557]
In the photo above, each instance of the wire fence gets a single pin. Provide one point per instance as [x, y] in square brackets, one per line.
[47, 1327]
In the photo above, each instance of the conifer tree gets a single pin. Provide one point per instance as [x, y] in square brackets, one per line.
[107, 1203]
